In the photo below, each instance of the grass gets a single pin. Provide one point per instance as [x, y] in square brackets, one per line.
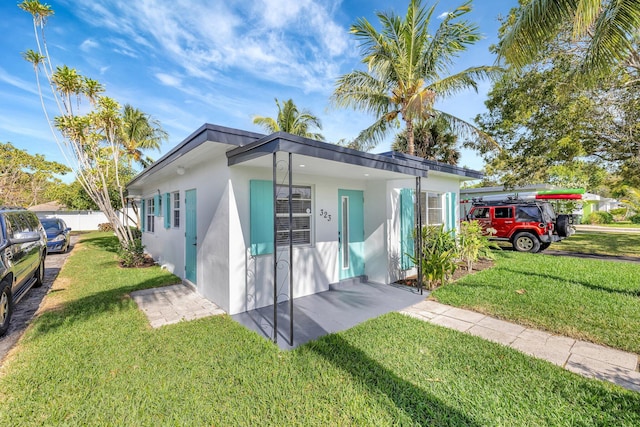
[590, 242]
[593, 300]
[92, 359]
[619, 224]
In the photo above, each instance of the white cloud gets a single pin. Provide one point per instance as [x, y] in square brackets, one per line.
[443, 15]
[88, 45]
[169, 80]
[17, 82]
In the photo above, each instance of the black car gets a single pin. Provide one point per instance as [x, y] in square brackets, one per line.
[58, 236]
[23, 248]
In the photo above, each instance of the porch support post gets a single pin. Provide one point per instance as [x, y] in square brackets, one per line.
[418, 239]
[275, 253]
[290, 253]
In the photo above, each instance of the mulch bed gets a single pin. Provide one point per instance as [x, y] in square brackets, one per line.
[460, 272]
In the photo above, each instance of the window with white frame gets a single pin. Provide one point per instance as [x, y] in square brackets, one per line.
[431, 208]
[150, 215]
[301, 209]
[176, 209]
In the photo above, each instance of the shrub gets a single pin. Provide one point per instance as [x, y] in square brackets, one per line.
[635, 219]
[473, 244]
[599, 217]
[439, 253]
[132, 253]
[105, 226]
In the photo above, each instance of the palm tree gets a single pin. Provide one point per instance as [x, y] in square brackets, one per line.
[291, 120]
[407, 70]
[433, 141]
[140, 132]
[611, 28]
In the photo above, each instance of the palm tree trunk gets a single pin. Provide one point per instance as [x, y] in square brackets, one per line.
[411, 149]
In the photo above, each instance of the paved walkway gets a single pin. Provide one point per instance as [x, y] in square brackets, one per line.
[176, 303]
[584, 358]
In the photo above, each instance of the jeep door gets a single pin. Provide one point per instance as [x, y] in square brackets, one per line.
[502, 220]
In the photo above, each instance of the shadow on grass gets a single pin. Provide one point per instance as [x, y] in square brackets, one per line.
[631, 293]
[420, 406]
[84, 309]
[108, 243]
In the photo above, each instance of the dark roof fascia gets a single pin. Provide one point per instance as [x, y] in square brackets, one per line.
[281, 141]
[436, 166]
[206, 132]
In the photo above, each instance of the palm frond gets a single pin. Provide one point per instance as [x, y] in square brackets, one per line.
[474, 137]
[464, 80]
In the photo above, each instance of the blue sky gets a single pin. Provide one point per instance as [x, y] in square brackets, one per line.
[189, 62]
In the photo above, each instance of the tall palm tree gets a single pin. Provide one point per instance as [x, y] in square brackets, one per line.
[291, 120]
[140, 132]
[407, 71]
[611, 28]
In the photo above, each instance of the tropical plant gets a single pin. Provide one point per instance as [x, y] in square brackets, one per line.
[439, 255]
[93, 140]
[631, 199]
[140, 132]
[433, 141]
[407, 71]
[292, 120]
[598, 217]
[473, 244]
[610, 28]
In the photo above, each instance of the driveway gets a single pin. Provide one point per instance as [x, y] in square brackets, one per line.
[27, 307]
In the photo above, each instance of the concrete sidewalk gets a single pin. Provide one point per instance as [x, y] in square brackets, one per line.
[584, 358]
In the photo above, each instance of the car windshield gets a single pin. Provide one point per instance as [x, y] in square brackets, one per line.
[51, 224]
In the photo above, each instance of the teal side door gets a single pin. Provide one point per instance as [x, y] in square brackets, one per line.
[351, 233]
[191, 237]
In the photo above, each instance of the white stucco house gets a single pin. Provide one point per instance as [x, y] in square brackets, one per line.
[340, 214]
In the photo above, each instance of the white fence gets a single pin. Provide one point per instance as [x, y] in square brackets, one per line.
[84, 220]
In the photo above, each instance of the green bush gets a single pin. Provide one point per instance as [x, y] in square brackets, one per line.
[599, 217]
[635, 219]
[132, 253]
[473, 244]
[105, 226]
[619, 214]
[439, 255]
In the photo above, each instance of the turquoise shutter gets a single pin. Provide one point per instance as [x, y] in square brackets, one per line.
[261, 217]
[143, 214]
[167, 210]
[156, 205]
[451, 211]
[407, 225]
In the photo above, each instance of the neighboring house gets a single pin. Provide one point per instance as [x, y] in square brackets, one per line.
[208, 213]
[588, 203]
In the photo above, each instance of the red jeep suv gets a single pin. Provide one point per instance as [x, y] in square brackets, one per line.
[530, 226]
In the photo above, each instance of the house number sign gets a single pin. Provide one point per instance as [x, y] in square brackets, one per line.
[324, 214]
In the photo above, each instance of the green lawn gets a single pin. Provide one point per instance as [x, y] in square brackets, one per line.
[594, 300]
[603, 243]
[620, 224]
[92, 359]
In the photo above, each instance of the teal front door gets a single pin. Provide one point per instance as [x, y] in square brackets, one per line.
[191, 237]
[351, 233]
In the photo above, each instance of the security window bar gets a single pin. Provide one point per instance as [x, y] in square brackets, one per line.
[301, 207]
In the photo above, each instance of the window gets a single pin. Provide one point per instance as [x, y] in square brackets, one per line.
[502, 213]
[480, 213]
[151, 209]
[301, 208]
[528, 214]
[431, 208]
[176, 209]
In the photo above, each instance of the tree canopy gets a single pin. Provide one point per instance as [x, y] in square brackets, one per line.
[408, 70]
[292, 120]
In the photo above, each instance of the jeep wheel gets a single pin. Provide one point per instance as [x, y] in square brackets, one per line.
[526, 242]
[563, 227]
[39, 274]
[5, 307]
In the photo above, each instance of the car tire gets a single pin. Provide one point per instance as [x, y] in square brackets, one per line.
[39, 274]
[563, 227]
[544, 246]
[526, 242]
[6, 307]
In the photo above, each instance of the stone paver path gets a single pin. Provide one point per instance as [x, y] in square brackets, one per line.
[584, 358]
[172, 304]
